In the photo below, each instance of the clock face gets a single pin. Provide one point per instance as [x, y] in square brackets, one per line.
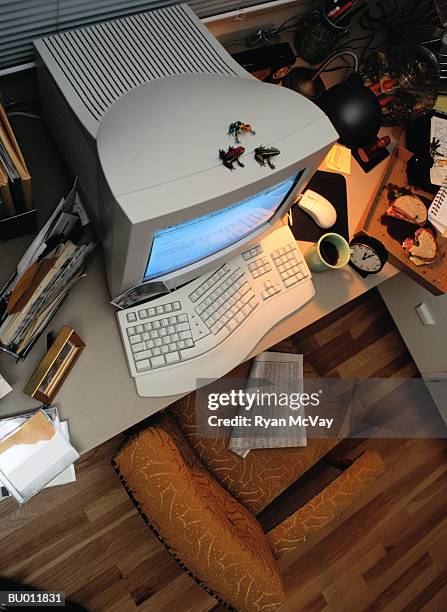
[365, 258]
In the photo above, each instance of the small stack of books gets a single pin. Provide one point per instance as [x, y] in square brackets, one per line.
[15, 180]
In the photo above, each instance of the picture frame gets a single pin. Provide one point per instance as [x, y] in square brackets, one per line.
[54, 368]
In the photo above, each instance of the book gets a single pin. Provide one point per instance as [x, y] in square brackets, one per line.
[437, 213]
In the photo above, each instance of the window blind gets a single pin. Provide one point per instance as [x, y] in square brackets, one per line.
[21, 21]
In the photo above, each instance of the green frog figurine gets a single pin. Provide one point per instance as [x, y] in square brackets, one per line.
[265, 154]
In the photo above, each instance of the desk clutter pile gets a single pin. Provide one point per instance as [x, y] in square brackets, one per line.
[35, 453]
[51, 266]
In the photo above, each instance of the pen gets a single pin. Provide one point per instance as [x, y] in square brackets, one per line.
[344, 8]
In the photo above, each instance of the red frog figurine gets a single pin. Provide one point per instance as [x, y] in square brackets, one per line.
[230, 157]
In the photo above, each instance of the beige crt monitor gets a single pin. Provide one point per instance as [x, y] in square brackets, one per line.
[142, 128]
[158, 149]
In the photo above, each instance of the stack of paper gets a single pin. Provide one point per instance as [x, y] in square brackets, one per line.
[45, 274]
[437, 213]
[4, 387]
[33, 454]
[275, 375]
[15, 180]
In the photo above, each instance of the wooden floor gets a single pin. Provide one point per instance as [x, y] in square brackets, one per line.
[388, 552]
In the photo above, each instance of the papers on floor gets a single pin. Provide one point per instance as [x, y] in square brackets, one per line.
[50, 267]
[438, 139]
[4, 387]
[35, 452]
[437, 213]
[272, 373]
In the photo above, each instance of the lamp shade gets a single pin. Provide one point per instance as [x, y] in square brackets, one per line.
[354, 111]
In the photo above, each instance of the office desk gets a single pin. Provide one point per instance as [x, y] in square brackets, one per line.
[99, 399]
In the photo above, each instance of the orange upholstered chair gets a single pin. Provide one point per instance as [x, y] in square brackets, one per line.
[201, 500]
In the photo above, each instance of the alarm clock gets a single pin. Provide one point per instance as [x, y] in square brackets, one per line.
[368, 255]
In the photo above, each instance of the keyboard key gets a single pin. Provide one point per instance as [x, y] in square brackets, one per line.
[142, 355]
[142, 314]
[141, 366]
[131, 317]
[130, 331]
[168, 307]
[189, 343]
[150, 312]
[231, 325]
[156, 351]
[172, 358]
[159, 310]
[290, 281]
[157, 362]
[135, 339]
[139, 329]
[239, 317]
[138, 347]
[182, 318]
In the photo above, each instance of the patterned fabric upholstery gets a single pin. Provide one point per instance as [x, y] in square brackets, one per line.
[325, 506]
[265, 473]
[210, 532]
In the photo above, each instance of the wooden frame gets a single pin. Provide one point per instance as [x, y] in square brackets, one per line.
[54, 368]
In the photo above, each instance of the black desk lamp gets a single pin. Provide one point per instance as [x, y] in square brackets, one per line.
[353, 109]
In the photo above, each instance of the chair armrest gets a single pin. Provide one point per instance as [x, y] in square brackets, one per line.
[325, 506]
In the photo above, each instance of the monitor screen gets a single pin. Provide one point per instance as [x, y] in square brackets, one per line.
[181, 245]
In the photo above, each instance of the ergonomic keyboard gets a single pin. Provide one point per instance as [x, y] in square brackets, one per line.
[204, 329]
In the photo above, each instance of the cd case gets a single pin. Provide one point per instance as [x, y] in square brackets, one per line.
[32, 455]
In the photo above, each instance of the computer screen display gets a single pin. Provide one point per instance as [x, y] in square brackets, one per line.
[181, 245]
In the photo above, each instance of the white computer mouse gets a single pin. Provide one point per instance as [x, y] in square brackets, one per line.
[320, 209]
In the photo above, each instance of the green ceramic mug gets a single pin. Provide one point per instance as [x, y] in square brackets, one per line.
[331, 252]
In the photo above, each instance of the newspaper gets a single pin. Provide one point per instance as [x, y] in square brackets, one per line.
[277, 373]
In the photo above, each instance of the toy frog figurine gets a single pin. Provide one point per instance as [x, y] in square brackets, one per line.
[238, 127]
[265, 154]
[230, 157]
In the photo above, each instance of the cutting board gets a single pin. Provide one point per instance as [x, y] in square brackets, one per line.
[392, 232]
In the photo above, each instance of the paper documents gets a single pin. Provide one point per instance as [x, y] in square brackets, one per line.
[272, 373]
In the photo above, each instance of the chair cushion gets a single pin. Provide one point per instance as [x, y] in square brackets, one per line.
[263, 474]
[208, 531]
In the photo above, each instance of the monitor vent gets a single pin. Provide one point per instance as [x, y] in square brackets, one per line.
[102, 62]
